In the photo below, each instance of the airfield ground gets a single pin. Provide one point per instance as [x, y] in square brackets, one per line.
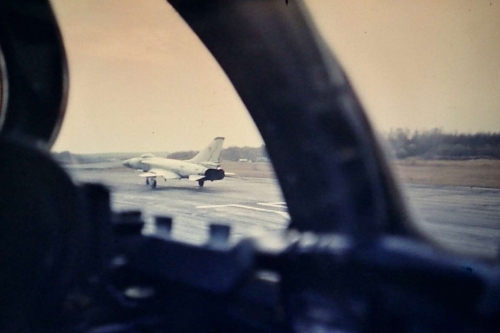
[451, 205]
[472, 173]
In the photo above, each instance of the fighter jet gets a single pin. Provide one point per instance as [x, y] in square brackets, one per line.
[204, 166]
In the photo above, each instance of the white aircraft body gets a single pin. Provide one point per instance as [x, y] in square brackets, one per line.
[204, 166]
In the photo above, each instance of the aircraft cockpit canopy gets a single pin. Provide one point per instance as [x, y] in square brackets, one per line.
[147, 155]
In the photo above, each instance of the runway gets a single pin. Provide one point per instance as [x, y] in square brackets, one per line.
[466, 219]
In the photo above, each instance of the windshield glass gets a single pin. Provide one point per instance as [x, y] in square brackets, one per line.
[144, 87]
[427, 74]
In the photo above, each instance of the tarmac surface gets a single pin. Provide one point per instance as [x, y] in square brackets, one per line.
[463, 218]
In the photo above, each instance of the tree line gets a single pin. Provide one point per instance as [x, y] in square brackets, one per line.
[404, 143]
[436, 144]
[251, 154]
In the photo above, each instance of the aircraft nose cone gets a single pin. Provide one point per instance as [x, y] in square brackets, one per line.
[126, 163]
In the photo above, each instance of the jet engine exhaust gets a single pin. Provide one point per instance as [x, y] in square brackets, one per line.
[214, 174]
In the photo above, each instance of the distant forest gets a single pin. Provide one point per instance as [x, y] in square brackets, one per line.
[436, 144]
[251, 154]
[430, 144]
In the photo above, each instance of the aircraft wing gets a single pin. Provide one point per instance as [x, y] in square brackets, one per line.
[195, 177]
[160, 173]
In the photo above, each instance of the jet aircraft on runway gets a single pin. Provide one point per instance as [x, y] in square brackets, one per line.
[204, 166]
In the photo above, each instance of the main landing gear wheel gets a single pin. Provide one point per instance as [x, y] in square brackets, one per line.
[153, 183]
[147, 181]
[201, 183]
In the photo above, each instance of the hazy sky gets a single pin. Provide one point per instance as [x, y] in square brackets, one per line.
[140, 80]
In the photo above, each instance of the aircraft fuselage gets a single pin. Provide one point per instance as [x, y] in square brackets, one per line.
[202, 167]
[182, 168]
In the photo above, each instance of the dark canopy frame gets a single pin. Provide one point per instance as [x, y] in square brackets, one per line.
[326, 157]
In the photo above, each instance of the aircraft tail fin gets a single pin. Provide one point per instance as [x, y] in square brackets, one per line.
[211, 154]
